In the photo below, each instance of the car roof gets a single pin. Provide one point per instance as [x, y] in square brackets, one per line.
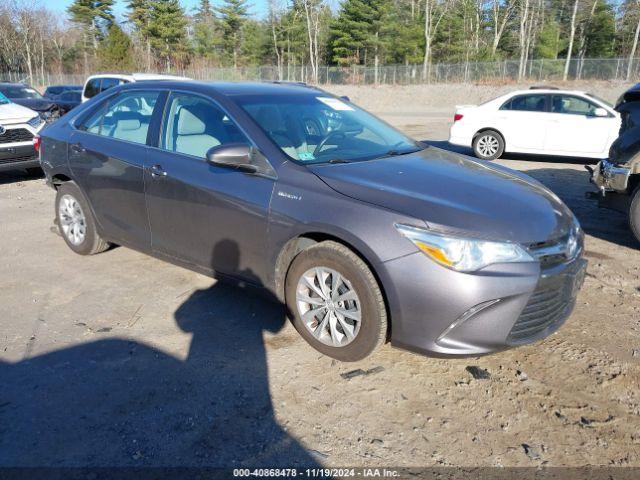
[13, 84]
[237, 88]
[548, 90]
[138, 76]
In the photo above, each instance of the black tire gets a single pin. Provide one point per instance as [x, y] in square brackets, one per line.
[91, 242]
[373, 315]
[634, 213]
[479, 145]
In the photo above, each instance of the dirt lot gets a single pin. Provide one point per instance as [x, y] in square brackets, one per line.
[120, 359]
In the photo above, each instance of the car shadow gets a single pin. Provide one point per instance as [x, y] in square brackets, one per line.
[123, 403]
[14, 176]
[443, 144]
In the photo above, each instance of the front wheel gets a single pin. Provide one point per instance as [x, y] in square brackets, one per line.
[75, 221]
[335, 302]
[488, 145]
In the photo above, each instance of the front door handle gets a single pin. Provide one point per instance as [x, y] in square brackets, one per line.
[157, 171]
[77, 148]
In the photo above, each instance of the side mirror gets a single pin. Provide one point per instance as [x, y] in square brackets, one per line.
[345, 98]
[232, 155]
[600, 112]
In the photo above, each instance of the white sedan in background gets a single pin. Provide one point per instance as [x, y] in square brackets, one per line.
[537, 121]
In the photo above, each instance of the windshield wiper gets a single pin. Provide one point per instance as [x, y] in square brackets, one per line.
[337, 160]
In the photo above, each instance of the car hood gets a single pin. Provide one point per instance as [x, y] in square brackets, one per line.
[14, 113]
[37, 104]
[455, 193]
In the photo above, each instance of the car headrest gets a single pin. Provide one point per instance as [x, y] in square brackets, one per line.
[189, 121]
[127, 120]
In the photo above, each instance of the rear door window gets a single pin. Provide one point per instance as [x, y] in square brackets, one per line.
[527, 103]
[108, 83]
[92, 88]
[125, 117]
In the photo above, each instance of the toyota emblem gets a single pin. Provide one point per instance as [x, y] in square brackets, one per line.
[2, 129]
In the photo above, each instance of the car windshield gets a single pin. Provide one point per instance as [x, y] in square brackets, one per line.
[319, 128]
[19, 91]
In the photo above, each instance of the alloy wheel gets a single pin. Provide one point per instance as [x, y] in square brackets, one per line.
[328, 306]
[488, 145]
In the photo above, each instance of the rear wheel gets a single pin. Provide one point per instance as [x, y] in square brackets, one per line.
[75, 221]
[335, 302]
[634, 214]
[488, 145]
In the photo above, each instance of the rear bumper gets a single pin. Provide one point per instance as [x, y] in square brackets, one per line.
[438, 312]
[17, 157]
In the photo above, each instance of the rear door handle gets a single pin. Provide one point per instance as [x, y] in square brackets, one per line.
[157, 171]
[77, 148]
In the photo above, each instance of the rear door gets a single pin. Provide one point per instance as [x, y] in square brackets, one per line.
[523, 122]
[106, 155]
[575, 130]
[202, 214]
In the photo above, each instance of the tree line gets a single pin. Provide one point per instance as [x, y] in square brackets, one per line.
[161, 35]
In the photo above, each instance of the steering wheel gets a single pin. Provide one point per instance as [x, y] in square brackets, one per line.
[323, 142]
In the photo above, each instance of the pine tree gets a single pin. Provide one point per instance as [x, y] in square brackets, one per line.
[167, 32]
[139, 15]
[205, 30]
[233, 18]
[94, 17]
[115, 52]
[358, 34]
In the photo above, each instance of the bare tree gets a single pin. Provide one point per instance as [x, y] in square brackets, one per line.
[434, 11]
[500, 16]
[312, 16]
[525, 12]
[634, 46]
[572, 34]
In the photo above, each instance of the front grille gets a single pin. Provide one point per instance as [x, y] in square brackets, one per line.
[13, 135]
[547, 306]
[23, 158]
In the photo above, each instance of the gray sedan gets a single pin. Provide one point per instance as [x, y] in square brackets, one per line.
[364, 234]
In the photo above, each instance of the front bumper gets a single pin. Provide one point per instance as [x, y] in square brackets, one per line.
[612, 181]
[17, 157]
[440, 312]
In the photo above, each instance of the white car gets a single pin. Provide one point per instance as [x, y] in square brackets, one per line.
[537, 121]
[96, 84]
[18, 133]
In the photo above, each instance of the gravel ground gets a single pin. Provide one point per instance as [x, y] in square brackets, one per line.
[121, 359]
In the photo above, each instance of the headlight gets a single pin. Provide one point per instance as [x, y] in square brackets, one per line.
[464, 254]
[35, 121]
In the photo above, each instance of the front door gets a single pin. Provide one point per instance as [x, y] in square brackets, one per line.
[209, 216]
[575, 130]
[107, 154]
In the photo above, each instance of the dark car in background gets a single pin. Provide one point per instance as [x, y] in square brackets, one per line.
[364, 233]
[618, 177]
[68, 100]
[54, 91]
[29, 97]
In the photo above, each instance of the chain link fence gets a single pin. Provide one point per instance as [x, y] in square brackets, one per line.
[539, 70]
